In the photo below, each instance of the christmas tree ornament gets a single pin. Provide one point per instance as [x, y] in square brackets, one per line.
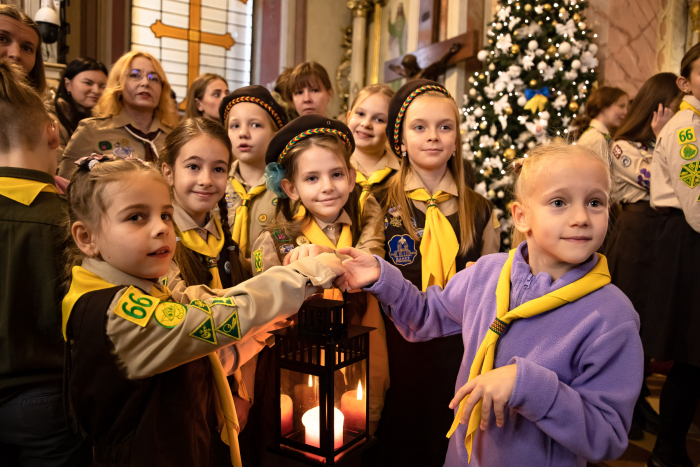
[498, 26]
[515, 49]
[593, 49]
[537, 99]
[492, 66]
[533, 82]
[547, 7]
[528, 8]
[509, 153]
[481, 76]
[471, 79]
[532, 45]
[478, 112]
[522, 100]
[472, 92]
[540, 22]
[565, 48]
[582, 26]
[496, 145]
[576, 17]
[576, 64]
[542, 66]
[551, 50]
[490, 41]
[573, 106]
[483, 125]
[508, 110]
[482, 55]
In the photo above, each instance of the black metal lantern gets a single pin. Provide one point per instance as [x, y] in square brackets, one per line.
[322, 380]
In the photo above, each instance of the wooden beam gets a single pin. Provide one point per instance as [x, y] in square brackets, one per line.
[434, 52]
[427, 22]
[300, 32]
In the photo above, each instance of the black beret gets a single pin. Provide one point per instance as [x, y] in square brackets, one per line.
[304, 127]
[399, 104]
[257, 95]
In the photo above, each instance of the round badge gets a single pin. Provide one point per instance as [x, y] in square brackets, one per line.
[262, 217]
[227, 267]
[626, 161]
[274, 201]
[301, 240]
[284, 249]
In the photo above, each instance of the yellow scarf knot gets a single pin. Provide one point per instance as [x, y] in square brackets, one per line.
[240, 230]
[366, 184]
[209, 249]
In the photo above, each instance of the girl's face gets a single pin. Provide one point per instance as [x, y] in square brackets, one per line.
[142, 86]
[199, 175]
[136, 233]
[612, 116]
[18, 43]
[691, 84]
[323, 183]
[86, 88]
[430, 133]
[312, 100]
[209, 104]
[250, 130]
[565, 211]
[368, 123]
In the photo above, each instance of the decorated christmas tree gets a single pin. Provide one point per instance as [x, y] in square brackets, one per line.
[539, 66]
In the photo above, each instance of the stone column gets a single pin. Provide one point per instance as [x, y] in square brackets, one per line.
[359, 32]
[672, 25]
[456, 25]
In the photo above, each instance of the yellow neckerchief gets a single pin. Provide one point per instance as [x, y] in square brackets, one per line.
[439, 245]
[84, 281]
[688, 106]
[240, 223]
[596, 278]
[22, 190]
[313, 232]
[210, 249]
[366, 184]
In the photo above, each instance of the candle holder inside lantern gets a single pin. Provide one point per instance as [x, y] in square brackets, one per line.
[322, 380]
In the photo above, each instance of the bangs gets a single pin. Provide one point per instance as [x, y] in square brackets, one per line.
[308, 80]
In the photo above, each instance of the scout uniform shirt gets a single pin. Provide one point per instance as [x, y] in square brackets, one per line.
[388, 160]
[109, 136]
[596, 137]
[632, 171]
[675, 167]
[63, 134]
[261, 209]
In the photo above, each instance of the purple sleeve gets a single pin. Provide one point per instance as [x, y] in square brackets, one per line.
[593, 414]
[419, 316]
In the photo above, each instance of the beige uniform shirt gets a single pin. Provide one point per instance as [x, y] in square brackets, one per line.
[63, 135]
[184, 222]
[261, 210]
[675, 167]
[145, 351]
[594, 138]
[632, 171]
[108, 136]
[387, 160]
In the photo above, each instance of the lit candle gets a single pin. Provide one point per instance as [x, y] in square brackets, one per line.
[311, 421]
[286, 406]
[305, 395]
[352, 404]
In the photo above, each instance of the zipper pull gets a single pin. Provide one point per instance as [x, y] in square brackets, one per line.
[527, 282]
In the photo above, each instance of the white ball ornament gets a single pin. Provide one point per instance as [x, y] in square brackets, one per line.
[482, 55]
[522, 100]
[492, 67]
[478, 112]
[545, 115]
[499, 26]
[532, 45]
[592, 48]
[576, 64]
[472, 92]
[564, 48]
[542, 66]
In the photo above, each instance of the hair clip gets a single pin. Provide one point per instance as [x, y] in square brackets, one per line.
[88, 162]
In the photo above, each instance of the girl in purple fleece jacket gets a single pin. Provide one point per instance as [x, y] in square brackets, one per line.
[553, 359]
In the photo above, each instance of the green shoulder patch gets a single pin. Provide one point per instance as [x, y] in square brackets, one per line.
[104, 145]
[225, 301]
[690, 174]
[136, 307]
[231, 327]
[257, 260]
[170, 314]
[205, 332]
[200, 305]
[689, 151]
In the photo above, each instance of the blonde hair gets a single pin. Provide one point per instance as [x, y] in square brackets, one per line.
[470, 204]
[22, 113]
[111, 101]
[196, 92]
[369, 91]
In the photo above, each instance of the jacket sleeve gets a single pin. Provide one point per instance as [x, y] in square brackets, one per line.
[201, 322]
[421, 316]
[683, 165]
[82, 143]
[593, 414]
[631, 166]
[372, 237]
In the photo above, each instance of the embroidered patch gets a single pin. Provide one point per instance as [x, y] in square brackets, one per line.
[617, 151]
[205, 332]
[262, 217]
[643, 178]
[689, 151]
[170, 314]
[626, 161]
[136, 307]
[413, 223]
[690, 174]
[301, 240]
[280, 235]
[200, 305]
[686, 135]
[121, 149]
[396, 222]
[386, 223]
[104, 145]
[257, 259]
[227, 267]
[274, 201]
[402, 250]
[419, 232]
[284, 249]
[211, 262]
[231, 327]
[229, 200]
[164, 281]
[225, 301]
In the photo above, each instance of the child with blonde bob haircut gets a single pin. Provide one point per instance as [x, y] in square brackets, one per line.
[135, 362]
[561, 387]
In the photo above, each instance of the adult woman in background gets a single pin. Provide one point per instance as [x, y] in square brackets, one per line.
[205, 95]
[132, 118]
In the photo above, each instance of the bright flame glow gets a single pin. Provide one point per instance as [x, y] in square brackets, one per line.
[311, 383]
[359, 391]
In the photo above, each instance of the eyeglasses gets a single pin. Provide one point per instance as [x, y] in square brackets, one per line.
[137, 75]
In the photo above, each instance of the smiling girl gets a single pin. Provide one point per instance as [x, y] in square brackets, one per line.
[605, 110]
[205, 95]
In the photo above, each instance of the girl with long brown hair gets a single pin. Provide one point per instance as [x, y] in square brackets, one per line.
[205, 95]
[605, 109]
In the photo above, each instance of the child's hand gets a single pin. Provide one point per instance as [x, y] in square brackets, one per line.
[306, 250]
[494, 387]
[661, 117]
[360, 271]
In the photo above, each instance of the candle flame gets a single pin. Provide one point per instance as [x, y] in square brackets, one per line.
[359, 391]
[311, 382]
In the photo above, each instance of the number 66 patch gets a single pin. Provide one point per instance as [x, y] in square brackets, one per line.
[686, 135]
[136, 307]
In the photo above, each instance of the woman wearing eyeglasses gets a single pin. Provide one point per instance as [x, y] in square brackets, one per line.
[132, 118]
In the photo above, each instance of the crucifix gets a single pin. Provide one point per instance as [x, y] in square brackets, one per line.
[194, 37]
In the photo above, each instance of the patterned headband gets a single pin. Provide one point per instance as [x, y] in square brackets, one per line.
[314, 131]
[402, 111]
[255, 100]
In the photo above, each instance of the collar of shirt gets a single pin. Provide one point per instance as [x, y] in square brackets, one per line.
[236, 173]
[117, 277]
[342, 219]
[692, 101]
[598, 125]
[446, 185]
[184, 222]
[122, 119]
[24, 185]
[387, 160]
